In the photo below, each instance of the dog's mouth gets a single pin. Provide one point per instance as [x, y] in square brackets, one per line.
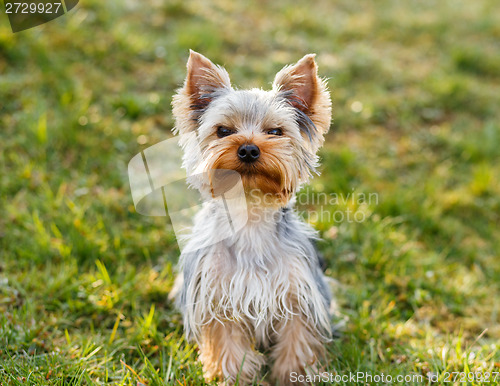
[267, 174]
[261, 187]
[260, 180]
[259, 169]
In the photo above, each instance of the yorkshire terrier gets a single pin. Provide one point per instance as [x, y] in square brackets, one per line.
[260, 292]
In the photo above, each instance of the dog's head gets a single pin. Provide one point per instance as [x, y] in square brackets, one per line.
[269, 137]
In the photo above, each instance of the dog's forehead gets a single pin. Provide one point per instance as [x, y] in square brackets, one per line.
[250, 108]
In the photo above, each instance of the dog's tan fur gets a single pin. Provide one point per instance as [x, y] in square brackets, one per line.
[298, 349]
[227, 349]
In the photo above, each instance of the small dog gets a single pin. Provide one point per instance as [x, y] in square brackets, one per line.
[260, 291]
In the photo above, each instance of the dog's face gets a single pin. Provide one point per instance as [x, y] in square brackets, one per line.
[269, 137]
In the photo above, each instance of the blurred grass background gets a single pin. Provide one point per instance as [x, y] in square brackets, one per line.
[84, 279]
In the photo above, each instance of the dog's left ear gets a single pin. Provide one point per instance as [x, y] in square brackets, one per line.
[308, 93]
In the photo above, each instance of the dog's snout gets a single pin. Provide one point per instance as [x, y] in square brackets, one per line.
[248, 153]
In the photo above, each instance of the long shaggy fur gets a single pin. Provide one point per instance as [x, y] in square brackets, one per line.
[261, 287]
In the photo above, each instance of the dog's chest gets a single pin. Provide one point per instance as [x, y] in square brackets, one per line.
[256, 277]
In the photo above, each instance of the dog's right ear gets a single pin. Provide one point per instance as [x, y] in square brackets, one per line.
[204, 81]
[204, 78]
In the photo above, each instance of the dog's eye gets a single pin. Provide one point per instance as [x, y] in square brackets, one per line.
[275, 132]
[224, 131]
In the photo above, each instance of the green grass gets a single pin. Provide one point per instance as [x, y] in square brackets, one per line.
[84, 279]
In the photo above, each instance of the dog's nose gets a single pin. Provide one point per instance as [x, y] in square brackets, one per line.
[248, 153]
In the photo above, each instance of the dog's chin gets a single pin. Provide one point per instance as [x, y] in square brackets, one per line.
[265, 190]
[265, 184]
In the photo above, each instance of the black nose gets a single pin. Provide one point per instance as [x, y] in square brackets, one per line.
[248, 153]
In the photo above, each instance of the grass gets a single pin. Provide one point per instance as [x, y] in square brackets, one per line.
[84, 279]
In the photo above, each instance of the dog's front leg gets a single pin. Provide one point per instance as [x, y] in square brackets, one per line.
[296, 352]
[228, 352]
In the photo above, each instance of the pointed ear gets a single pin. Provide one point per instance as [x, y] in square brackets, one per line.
[203, 79]
[203, 82]
[300, 79]
[306, 92]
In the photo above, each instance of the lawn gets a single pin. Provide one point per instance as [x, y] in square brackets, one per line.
[84, 279]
